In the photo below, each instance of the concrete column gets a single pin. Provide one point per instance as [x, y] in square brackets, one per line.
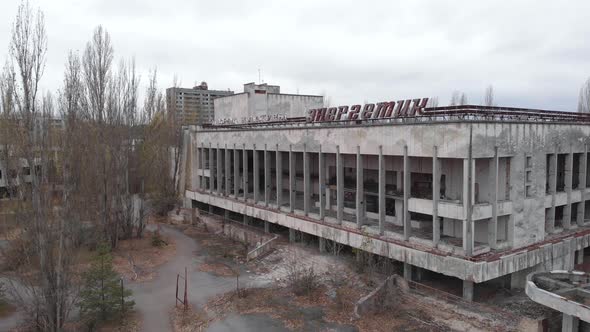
[467, 224]
[245, 219]
[381, 191]
[360, 190]
[266, 227]
[226, 215]
[339, 185]
[550, 227]
[292, 235]
[306, 182]
[267, 178]
[582, 206]
[245, 171]
[202, 166]
[406, 214]
[279, 173]
[236, 172]
[211, 170]
[580, 255]
[227, 171]
[322, 182]
[256, 170]
[292, 186]
[435, 196]
[322, 242]
[408, 271]
[419, 274]
[196, 168]
[219, 168]
[567, 209]
[569, 323]
[468, 290]
[493, 180]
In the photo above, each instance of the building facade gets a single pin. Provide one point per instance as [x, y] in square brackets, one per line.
[192, 106]
[478, 194]
[262, 102]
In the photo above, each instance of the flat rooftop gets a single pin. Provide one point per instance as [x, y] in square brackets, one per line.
[446, 114]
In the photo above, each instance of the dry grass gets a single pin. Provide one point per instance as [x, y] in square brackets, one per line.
[137, 259]
[130, 323]
[188, 320]
[217, 269]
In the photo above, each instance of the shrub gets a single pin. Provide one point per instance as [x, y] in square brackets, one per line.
[302, 280]
[103, 297]
[157, 240]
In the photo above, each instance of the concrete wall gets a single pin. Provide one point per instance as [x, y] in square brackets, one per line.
[260, 100]
[520, 216]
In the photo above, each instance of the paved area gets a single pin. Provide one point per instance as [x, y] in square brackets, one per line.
[155, 298]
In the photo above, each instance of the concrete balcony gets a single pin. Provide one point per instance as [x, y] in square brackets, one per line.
[561, 197]
[455, 210]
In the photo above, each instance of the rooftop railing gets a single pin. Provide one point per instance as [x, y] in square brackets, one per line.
[464, 113]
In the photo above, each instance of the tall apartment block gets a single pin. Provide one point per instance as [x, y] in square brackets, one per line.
[192, 106]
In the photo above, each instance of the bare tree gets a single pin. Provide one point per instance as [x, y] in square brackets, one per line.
[455, 98]
[46, 291]
[584, 98]
[463, 99]
[432, 102]
[97, 61]
[489, 96]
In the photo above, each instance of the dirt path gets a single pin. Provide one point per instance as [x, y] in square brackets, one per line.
[155, 298]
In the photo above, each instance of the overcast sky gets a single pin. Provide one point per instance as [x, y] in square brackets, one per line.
[534, 53]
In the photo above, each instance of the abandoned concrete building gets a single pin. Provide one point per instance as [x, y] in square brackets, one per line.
[482, 194]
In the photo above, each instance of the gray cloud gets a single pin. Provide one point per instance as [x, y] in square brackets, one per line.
[534, 53]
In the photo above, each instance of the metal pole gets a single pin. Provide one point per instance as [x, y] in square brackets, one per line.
[176, 304]
[185, 289]
[122, 297]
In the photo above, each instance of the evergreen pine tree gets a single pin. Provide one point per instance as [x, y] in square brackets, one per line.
[102, 297]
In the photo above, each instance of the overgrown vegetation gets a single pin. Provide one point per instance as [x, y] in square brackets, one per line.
[302, 280]
[103, 296]
[81, 167]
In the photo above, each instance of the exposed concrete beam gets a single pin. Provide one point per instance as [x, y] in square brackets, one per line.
[202, 166]
[407, 271]
[582, 206]
[381, 191]
[435, 196]
[291, 179]
[339, 185]
[219, 169]
[569, 323]
[567, 209]
[279, 173]
[256, 170]
[227, 171]
[468, 288]
[322, 182]
[245, 171]
[306, 181]
[467, 222]
[493, 179]
[550, 225]
[360, 191]
[236, 171]
[407, 179]
[211, 170]
[267, 178]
